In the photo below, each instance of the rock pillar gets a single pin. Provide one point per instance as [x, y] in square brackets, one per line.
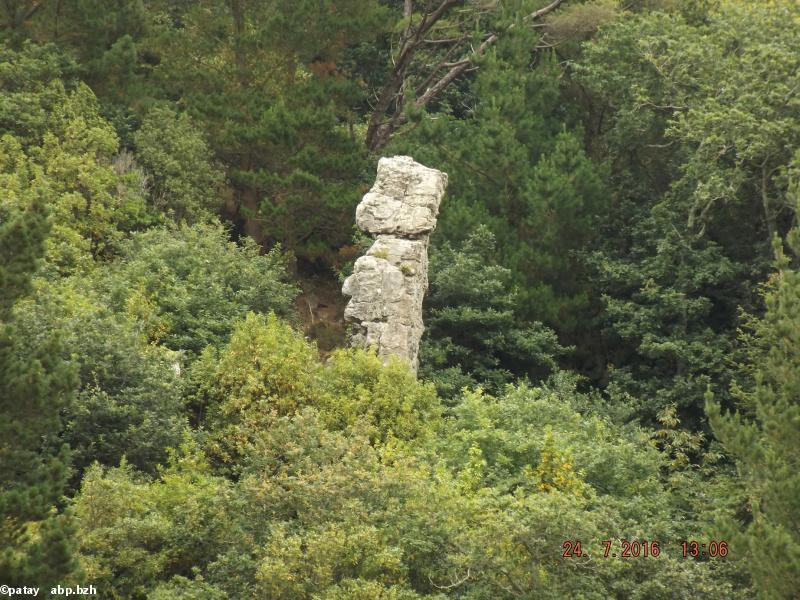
[389, 282]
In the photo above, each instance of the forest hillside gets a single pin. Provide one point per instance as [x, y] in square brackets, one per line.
[607, 403]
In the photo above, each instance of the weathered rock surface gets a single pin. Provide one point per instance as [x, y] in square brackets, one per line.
[388, 283]
[404, 200]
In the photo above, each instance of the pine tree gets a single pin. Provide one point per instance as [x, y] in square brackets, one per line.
[764, 437]
[35, 541]
[276, 110]
[473, 329]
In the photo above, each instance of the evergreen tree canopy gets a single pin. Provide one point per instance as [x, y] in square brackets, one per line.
[764, 435]
[36, 540]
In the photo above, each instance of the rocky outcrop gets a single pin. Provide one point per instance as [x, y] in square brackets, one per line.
[389, 282]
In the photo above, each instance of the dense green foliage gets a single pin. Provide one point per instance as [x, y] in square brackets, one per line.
[473, 330]
[37, 543]
[763, 436]
[703, 128]
[612, 344]
[186, 181]
[516, 168]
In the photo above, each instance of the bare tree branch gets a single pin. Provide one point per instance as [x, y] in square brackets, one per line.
[442, 65]
[537, 14]
[382, 125]
[452, 585]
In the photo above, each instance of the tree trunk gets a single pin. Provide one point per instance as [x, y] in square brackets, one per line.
[391, 110]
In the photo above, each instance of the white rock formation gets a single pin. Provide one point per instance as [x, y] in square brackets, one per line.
[389, 282]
